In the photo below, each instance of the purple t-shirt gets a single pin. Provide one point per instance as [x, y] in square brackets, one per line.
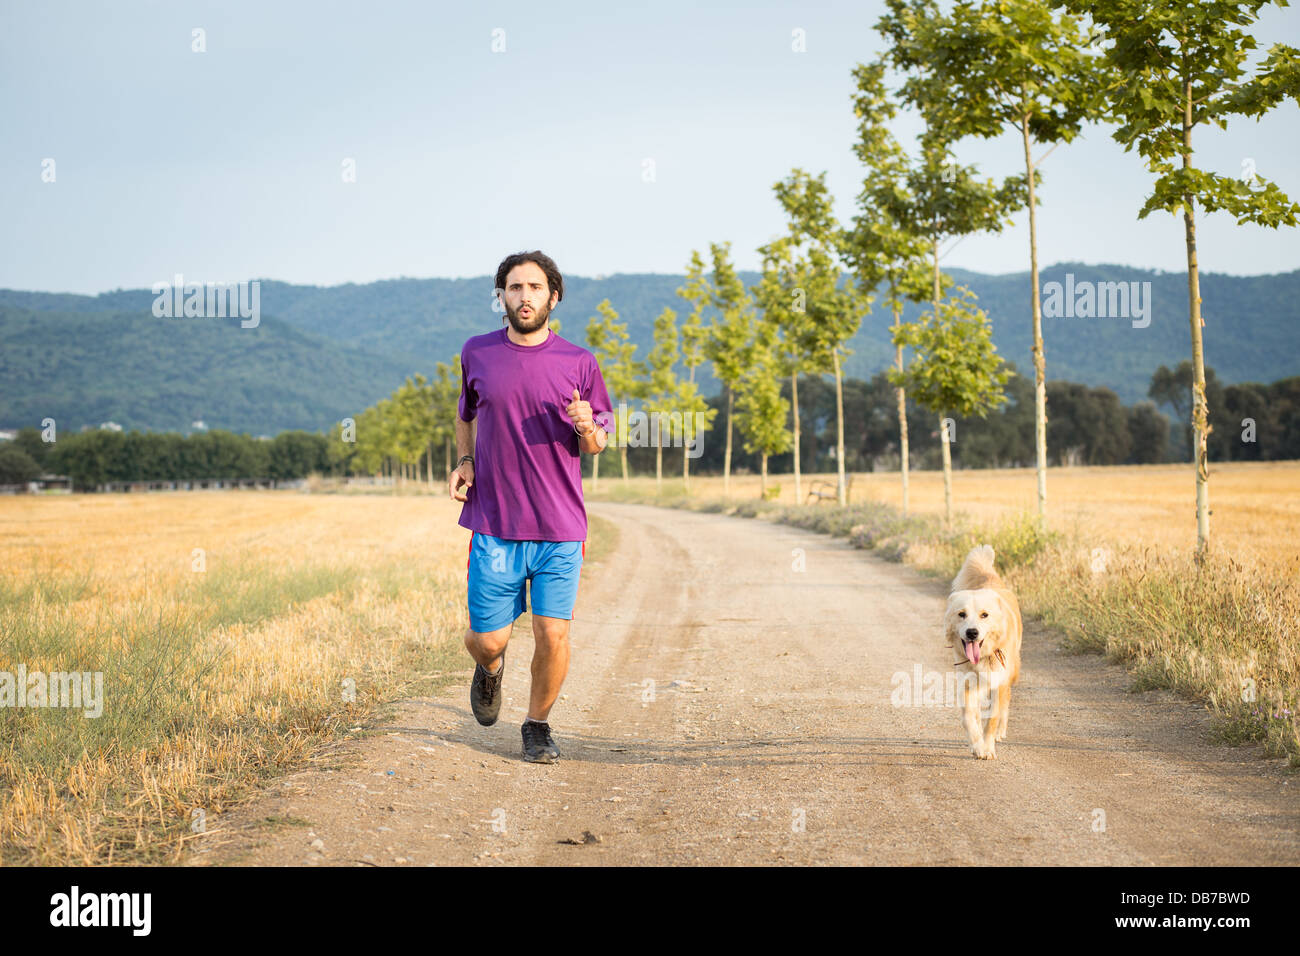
[527, 467]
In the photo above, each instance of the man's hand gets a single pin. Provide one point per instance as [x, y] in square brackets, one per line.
[463, 474]
[579, 413]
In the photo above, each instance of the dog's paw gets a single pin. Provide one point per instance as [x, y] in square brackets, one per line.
[982, 751]
[1001, 737]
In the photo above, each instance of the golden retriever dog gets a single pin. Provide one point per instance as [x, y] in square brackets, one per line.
[983, 619]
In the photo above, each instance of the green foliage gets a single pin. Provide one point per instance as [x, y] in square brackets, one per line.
[998, 64]
[1178, 66]
[729, 337]
[615, 353]
[1019, 539]
[761, 410]
[827, 307]
[956, 367]
[663, 357]
[699, 292]
[883, 249]
[139, 371]
[16, 466]
[1088, 426]
[98, 456]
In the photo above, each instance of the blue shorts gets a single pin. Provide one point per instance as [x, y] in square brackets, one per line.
[498, 571]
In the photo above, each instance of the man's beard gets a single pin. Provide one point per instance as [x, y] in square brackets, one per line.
[525, 326]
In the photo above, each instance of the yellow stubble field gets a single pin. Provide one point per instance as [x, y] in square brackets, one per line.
[230, 628]
[1255, 507]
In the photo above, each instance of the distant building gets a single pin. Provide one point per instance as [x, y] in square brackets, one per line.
[111, 426]
[199, 425]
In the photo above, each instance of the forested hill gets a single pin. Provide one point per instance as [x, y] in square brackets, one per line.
[320, 353]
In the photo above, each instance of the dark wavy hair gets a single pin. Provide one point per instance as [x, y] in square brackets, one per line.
[554, 281]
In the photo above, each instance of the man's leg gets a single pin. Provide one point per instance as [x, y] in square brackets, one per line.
[550, 664]
[495, 579]
[487, 648]
[555, 566]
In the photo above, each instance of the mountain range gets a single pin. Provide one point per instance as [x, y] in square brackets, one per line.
[319, 354]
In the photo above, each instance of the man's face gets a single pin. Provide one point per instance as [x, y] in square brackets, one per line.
[527, 301]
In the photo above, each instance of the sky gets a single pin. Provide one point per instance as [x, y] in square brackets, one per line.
[615, 138]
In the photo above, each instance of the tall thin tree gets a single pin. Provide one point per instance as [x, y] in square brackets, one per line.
[663, 389]
[1012, 65]
[698, 291]
[1180, 66]
[762, 409]
[729, 338]
[624, 375]
[882, 250]
[955, 370]
[831, 302]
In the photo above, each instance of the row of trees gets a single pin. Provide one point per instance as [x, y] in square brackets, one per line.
[98, 456]
[402, 435]
[1089, 426]
[1157, 71]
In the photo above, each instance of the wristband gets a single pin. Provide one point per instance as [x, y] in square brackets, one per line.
[465, 458]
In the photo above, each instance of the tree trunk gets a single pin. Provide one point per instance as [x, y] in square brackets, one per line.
[686, 460]
[1200, 407]
[943, 428]
[903, 451]
[659, 463]
[794, 395]
[1040, 364]
[446, 455]
[762, 481]
[841, 488]
[947, 471]
[726, 463]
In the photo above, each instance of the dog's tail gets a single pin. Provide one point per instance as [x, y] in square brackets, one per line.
[977, 571]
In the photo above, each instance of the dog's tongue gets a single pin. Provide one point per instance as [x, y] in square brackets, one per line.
[973, 652]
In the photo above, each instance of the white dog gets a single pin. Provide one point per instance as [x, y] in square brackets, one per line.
[983, 618]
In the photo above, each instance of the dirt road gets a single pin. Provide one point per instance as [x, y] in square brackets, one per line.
[725, 707]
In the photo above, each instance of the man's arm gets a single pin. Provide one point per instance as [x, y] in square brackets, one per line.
[593, 443]
[466, 436]
[463, 473]
[591, 437]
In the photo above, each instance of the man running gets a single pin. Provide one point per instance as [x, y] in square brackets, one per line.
[526, 412]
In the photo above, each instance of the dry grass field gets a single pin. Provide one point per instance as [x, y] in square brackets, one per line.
[1255, 505]
[236, 631]
[225, 625]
